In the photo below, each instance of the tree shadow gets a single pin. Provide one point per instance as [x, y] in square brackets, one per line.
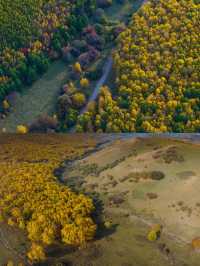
[102, 230]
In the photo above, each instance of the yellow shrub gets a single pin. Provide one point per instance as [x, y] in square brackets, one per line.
[10, 263]
[6, 105]
[77, 67]
[108, 224]
[155, 232]
[48, 211]
[84, 82]
[196, 243]
[79, 99]
[22, 129]
[20, 264]
[152, 235]
[36, 253]
[11, 222]
[157, 73]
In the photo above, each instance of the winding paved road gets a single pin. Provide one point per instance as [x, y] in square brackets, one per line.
[106, 71]
[41, 97]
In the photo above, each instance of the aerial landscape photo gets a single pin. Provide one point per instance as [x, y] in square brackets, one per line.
[100, 66]
[93, 200]
[99, 132]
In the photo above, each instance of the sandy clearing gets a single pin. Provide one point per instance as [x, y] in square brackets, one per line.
[183, 218]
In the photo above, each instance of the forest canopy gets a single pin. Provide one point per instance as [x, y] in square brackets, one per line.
[157, 73]
[17, 22]
[32, 199]
[32, 34]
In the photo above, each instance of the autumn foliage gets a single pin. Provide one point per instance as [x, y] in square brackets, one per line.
[31, 197]
[157, 73]
[33, 33]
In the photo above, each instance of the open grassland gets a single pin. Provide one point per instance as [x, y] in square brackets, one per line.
[143, 182]
[38, 100]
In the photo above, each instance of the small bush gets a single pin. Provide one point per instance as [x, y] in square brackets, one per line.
[196, 243]
[157, 175]
[78, 99]
[21, 129]
[6, 105]
[104, 3]
[43, 124]
[154, 232]
[152, 236]
[84, 82]
[10, 263]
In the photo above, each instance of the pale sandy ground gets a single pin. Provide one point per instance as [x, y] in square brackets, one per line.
[176, 208]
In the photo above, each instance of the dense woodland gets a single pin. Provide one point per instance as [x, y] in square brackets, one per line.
[157, 74]
[32, 199]
[34, 36]
[155, 78]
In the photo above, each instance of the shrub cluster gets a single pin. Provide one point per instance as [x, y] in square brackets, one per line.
[33, 200]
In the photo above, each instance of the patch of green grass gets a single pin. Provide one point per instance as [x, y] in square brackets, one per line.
[40, 98]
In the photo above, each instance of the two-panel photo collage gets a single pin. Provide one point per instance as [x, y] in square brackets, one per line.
[99, 132]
